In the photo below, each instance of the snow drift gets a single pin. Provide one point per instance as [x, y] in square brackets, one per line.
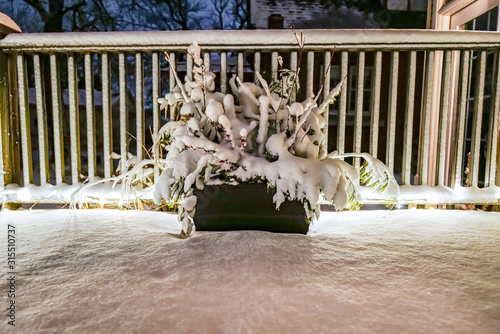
[108, 271]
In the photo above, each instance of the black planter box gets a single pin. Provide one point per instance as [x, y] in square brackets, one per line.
[246, 207]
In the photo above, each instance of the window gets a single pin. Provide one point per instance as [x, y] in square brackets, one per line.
[409, 5]
[486, 22]
[275, 21]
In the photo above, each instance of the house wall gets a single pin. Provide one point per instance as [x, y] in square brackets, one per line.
[311, 14]
[293, 12]
[411, 5]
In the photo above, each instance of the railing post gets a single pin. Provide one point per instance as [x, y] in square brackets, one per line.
[5, 165]
[9, 160]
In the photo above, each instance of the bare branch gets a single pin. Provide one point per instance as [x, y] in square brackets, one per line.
[39, 7]
[74, 7]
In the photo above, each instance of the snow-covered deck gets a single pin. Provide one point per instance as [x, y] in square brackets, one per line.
[103, 271]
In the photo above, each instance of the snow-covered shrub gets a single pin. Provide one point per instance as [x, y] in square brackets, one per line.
[255, 133]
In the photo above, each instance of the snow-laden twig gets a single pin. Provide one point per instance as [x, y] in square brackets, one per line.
[375, 174]
[126, 178]
[177, 80]
[329, 99]
[274, 103]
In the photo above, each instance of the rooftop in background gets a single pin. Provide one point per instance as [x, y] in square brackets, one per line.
[7, 26]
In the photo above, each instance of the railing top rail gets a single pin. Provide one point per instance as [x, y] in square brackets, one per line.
[339, 39]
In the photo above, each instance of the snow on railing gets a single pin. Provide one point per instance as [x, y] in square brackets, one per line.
[72, 104]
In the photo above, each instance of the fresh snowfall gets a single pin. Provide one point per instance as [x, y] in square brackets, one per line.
[110, 271]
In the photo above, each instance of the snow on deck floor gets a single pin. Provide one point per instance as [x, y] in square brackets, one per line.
[106, 271]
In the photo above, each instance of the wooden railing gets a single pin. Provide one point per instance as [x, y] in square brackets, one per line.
[428, 104]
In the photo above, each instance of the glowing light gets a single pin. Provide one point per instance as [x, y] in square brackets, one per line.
[24, 195]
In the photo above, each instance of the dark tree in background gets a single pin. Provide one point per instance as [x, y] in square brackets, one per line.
[52, 12]
[220, 6]
[230, 14]
[122, 15]
[181, 14]
[59, 15]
